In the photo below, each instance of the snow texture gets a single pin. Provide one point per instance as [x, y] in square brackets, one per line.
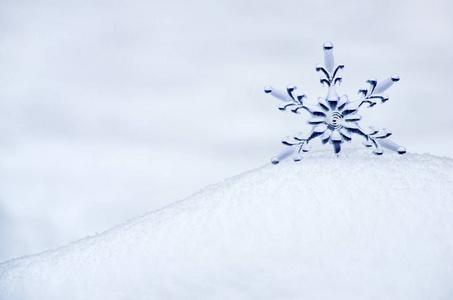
[354, 227]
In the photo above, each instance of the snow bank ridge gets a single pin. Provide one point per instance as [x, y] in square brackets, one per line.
[356, 227]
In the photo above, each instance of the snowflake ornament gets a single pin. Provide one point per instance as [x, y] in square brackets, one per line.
[334, 119]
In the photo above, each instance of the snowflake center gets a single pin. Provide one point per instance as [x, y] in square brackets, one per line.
[334, 121]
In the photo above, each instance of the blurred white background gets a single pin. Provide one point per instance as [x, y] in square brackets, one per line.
[111, 109]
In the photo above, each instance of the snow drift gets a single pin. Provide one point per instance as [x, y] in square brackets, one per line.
[355, 227]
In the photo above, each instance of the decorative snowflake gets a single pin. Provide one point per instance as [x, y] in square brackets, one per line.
[334, 118]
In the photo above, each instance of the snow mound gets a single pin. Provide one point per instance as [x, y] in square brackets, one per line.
[355, 227]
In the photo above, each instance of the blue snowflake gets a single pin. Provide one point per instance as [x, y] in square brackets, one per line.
[334, 119]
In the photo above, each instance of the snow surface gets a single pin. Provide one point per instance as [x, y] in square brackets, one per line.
[354, 227]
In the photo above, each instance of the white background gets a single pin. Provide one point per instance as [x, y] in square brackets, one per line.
[111, 109]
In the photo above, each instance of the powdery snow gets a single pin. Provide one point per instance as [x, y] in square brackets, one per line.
[355, 227]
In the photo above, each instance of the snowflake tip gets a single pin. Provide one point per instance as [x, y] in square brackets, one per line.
[367, 143]
[328, 46]
[286, 141]
[372, 81]
[298, 136]
[291, 87]
[268, 89]
[363, 91]
[395, 78]
[306, 147]
[297, 158]
[300, 98]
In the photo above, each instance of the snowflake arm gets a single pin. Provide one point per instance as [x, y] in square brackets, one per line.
[374, 92]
